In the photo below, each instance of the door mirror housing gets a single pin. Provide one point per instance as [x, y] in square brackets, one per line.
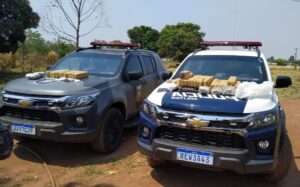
[135, 75]
[166, 75]
[283, 81]
[49, 67]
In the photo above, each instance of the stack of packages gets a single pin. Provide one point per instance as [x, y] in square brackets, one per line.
[207, 84]
[57, 74]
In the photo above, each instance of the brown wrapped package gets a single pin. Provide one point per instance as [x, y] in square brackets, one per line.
[67, 74]
[56, 74]
[76, 74]
[186, 74]
[207, 81]
[232, 80]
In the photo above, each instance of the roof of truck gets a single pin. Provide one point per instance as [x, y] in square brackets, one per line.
[252, 53]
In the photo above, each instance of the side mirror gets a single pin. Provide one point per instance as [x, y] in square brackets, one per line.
[283, 81]
[166, 75]
[49, 67]
[135, 75]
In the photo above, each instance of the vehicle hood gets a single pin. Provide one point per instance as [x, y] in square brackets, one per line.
[193, 101]
[55, 87]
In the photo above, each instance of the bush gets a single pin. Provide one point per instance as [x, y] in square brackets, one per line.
[281, 62]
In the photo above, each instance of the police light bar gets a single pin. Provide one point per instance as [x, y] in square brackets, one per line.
[115, 44]
[245, 44]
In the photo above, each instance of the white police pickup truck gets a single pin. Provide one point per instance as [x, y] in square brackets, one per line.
[242, 130]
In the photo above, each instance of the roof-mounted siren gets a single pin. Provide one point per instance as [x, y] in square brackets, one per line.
[246, 44]
[116, 44]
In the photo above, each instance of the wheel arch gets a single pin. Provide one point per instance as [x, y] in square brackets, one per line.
[120, 106]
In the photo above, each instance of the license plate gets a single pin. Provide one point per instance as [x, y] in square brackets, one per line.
[23, 128]
[198, 157]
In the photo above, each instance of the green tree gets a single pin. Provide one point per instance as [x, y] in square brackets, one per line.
[62, 47]
[15, 17]
[33, 46]
[271, 59]
[281, 62]
[177, 41]
[144, 35]
[35, 43]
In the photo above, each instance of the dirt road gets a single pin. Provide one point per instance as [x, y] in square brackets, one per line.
[78, 165]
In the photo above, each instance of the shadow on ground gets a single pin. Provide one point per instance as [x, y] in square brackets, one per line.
[73, 155]
[176, 175]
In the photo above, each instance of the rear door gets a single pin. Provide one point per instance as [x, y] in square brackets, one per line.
[151, 76]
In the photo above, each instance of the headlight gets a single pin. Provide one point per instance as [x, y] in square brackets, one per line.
[264, 119]
[149, 109]
[79, 101]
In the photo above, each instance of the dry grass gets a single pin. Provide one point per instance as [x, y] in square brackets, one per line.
[292, 91]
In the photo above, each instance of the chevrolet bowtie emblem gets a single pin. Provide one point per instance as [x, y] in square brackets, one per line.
[197, 123]
[25, 103]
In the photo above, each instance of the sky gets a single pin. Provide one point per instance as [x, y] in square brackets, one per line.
[273, 22]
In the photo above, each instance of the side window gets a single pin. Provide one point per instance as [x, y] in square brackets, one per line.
[134, 64]
[153, 63]
[148, 65]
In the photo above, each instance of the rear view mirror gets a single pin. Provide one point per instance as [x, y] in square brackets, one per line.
[283, 81]
[134, 76]
[166, 75]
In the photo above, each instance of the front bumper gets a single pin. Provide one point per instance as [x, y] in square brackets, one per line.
[224, 159]
[64, 130]
[241, 160]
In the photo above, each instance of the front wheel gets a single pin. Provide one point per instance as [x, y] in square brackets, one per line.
[111, 131]
[6, 143]
[284, 161]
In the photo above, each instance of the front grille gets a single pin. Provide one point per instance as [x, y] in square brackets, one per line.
[30, 114]
[228, 124]
[217, 139]
[170, 119]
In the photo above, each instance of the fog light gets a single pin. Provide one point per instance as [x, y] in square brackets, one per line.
[264, 144]
[79, 120]
[145, 132]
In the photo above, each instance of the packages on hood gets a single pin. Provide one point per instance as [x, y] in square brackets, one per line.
[67, 74]
[207, 84]
[231, 86]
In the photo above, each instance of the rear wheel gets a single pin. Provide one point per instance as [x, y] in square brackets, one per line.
[111, 131]
[284, 160]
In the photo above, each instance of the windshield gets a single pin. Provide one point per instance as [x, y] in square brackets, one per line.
[97, 64]
[222, 67]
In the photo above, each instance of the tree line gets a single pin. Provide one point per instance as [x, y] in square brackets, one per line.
[26, 50]
[173, 41]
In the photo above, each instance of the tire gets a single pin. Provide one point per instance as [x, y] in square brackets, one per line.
[284, 161]
[155, 163]
[111, 131]
[6, 144]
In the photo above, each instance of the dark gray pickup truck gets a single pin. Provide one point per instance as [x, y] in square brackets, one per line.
[93, 109]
